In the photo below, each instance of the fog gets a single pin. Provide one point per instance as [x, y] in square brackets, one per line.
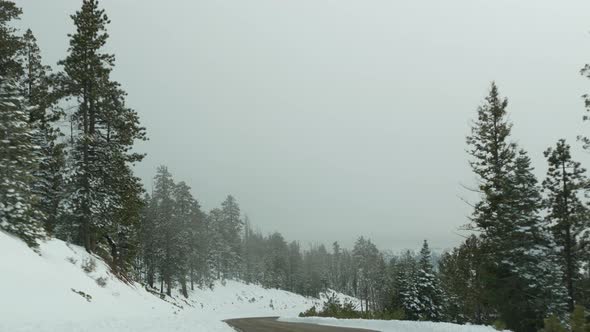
[330, 119]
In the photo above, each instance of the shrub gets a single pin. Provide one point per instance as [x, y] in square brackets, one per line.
[89, 265]
[311, 312]
[552, 324]
[102, 281]
[578, 319]
[499, 325]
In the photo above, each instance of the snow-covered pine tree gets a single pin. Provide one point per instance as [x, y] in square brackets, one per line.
[567, 215]
[197, 259]
[492, 161]
[507, 216]
[184, 205]
[148, 241]
[537, 289]
[406, 291]
[276, 262]
[10, 43]
[429, 294]
[231, 230]
[36, 86]
[166, 233]
[18, 162]
[18, 158]
[106, 130]
[295, 274]
[536, 261]
[460, 273]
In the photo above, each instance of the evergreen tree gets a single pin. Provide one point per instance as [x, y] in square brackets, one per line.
[406, 286]
[428, 291]
[295, 275]
[166, 233]
[513, 240]
[493, 161]
[567, 215]
[36, 86]
[10, 43]
[184, 212]
[276, 262]
[148, 240]
[538, 289]
[218, 249]
[231, 228]
[18, 162]
[18, 156]
[106, 130]
[197, 246]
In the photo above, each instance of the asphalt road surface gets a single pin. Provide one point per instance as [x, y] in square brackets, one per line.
[270, 324]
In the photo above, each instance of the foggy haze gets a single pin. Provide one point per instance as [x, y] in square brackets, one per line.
[331, 119]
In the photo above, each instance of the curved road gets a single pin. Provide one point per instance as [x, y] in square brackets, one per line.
[270, 324]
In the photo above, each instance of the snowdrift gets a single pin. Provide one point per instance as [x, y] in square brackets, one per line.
[390, 325]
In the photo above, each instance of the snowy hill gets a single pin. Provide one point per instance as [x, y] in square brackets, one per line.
[59, 289]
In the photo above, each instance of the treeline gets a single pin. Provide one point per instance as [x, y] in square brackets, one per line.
[182, 246]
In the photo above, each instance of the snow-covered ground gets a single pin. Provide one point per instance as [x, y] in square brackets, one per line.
[51, 291]
[62, 288]
[390, 325]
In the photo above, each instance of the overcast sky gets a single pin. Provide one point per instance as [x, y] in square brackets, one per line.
[330, 119]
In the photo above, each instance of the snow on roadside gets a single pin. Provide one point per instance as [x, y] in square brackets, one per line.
[49, 291]
[389, 325]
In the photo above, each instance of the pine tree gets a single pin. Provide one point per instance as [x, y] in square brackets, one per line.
[166, 233]
[567, 215]
[513, 240]
[106, 130]
[184, 212]
[218, 248]
[493, 157]
[405, 286]
[493, 161]
[231, 228]
[531, 253]
[460, 272]
[36, 86]
[18, 158]
[198, 271]
[18, 162]
[295, 274]
[148, 240]
[428, 291]
[10, 43]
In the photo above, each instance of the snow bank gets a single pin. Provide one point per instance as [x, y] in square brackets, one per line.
[390, 325]
[59, 289]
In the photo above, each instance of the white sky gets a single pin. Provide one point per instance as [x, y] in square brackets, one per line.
[330, 119]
